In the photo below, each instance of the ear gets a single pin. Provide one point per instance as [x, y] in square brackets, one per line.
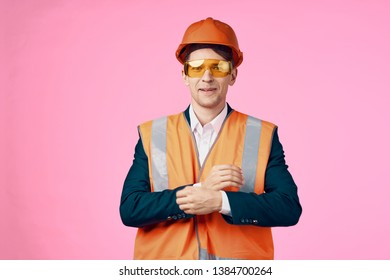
[185, 78]
[233, 77]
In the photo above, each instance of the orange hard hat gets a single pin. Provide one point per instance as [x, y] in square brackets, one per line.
[210, 31]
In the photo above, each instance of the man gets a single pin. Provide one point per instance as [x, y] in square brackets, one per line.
[208, 183]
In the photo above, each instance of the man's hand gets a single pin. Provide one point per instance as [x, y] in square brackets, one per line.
[199, 201]
[222, 176]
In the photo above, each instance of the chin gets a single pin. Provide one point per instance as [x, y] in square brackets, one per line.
[210, 105]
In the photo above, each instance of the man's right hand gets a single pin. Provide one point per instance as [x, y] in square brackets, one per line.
[222, 176]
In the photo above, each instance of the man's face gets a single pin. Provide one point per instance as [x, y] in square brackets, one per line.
[208, 91]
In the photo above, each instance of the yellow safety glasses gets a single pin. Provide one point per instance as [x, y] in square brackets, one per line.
[218, 68]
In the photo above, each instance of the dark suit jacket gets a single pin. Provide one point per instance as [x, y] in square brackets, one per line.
[278, 206]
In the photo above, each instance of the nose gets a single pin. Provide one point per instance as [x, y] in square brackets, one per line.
[207, 76]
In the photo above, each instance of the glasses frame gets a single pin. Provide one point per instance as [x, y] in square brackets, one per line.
[222, 74]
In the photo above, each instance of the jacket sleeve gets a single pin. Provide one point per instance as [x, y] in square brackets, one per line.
[278, 206]
[139, 206]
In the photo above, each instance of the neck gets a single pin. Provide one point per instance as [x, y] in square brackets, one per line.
[206, 115]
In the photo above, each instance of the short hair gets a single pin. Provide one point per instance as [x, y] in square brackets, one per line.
[222, 50]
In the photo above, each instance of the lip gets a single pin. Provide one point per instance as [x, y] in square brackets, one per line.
[207, 90]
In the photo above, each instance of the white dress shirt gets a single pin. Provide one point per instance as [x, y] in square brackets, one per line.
[205, 137]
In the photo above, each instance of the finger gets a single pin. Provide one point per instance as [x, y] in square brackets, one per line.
[232, 179]
[223, 185]
[184, 192]
[181, 201]
[187, 208]
[184, 207]
[222, 167]
[236, 171]
[230, 174]
[220, 182]
[180, 194]
[189, 212]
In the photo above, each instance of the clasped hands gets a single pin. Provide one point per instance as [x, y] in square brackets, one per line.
[207, 198]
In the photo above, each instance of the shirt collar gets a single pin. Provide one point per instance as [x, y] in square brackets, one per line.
[216, 123]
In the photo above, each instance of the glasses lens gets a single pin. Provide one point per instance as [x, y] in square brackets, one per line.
[218, 68]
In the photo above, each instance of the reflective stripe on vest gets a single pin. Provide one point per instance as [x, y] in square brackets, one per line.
[159, 153]
[204, 255]
[250, 152]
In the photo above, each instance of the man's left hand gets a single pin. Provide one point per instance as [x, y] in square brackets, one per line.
[199, 201]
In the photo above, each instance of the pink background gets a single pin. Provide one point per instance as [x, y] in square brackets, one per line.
[77, 77]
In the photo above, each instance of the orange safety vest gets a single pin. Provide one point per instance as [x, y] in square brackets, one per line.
[173, 161]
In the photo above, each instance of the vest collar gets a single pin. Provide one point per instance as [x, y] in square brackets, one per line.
[187, 113]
